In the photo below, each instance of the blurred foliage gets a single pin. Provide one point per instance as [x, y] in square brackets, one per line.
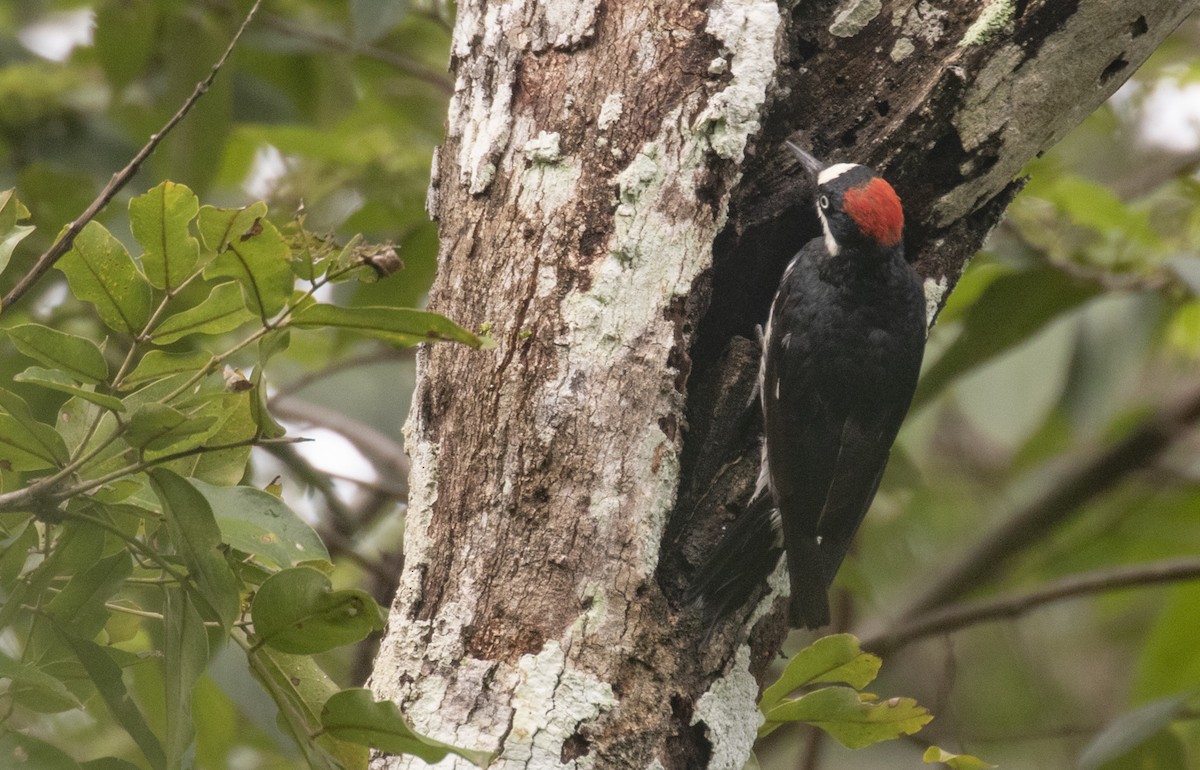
[329, 112]
[126, 538]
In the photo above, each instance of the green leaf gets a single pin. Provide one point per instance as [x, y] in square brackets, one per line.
[1129, 731]
[268, 426]
[34, 689]
[158, 364]
[100, 270]
[159, 220]
[223, 466]
[24, 751]
[1169, 658]
[158, 426]
[79, 607]
[15, 552]
[185, 656]
[991, 325]
[56, 380]
[954, 761]
[25, 443]
[251, 250]
[105, 674]
[396, 325]
[355, 716]
[297, 611]
[258, 522]
[197, 540]
[76, 356]
[854, 720]
[299, 688]
[222, 311]
[836, 658]
[12, 211]
[79, 545]
[109, 763]
[1093, 205]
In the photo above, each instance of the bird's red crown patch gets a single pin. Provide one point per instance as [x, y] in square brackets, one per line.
[876, 209]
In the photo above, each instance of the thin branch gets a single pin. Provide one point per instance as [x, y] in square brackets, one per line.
[386, 454]
[1075, 487]
[331, 41]
[384, 355]
[334, 42]
[63, 243]
[39, 492]
[956, 616]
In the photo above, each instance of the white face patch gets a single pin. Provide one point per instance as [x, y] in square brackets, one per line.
[833, 172]
[831, 245]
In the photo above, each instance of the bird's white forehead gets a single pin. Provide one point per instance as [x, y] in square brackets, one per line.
[833, 172]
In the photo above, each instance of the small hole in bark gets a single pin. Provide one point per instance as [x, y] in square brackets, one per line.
[1113, 68]
[882, 107]
[574, 747]
[1138, 27]
[587, 603]
[592, 241]
[847, 139]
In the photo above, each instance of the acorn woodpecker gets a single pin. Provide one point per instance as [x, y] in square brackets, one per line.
[841, 353]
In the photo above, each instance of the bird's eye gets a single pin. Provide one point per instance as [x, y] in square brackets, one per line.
[823, 201]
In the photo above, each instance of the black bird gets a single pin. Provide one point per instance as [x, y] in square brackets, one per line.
[841, 353]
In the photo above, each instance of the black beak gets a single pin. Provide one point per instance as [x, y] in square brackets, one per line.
[810, 163]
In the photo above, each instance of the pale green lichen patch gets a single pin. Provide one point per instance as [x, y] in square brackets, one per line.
[748, 30]
[902, 50]
[854, 16]
[729, 710]
[996, 19]
[549, 704]
[935, 293]
[637, 176]
[547, 186]
[543, 148]
[610, 111]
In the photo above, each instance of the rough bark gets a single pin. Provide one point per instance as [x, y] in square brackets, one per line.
[614, 208]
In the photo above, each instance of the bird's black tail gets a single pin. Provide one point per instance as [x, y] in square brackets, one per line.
[810, 575]
[739, 564]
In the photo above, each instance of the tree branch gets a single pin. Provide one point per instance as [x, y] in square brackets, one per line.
[954, 617]
[381, 450]
[64, 241]
[1074, 488]
[333, 42]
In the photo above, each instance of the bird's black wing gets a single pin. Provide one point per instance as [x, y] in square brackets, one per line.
[835, 392]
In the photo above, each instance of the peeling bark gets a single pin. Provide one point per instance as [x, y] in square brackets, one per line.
[614, 208]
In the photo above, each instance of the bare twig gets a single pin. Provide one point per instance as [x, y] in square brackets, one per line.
[958, 616]
[1088, 480]
[64, 241]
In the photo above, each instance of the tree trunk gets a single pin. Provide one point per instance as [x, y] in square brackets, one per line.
[614, 207]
